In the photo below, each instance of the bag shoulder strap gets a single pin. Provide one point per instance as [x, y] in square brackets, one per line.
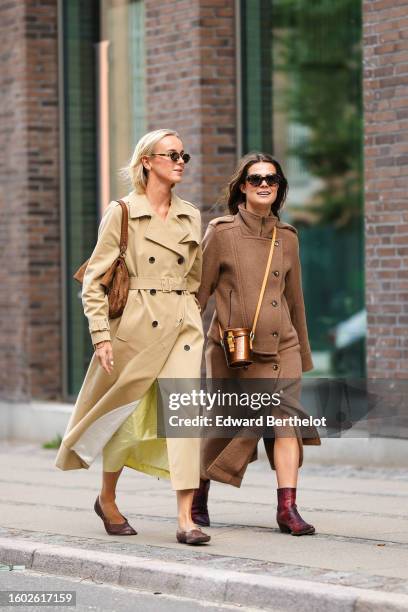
[262, 292]
[268, 267]
[124, 228]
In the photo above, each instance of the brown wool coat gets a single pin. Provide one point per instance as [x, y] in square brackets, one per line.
[235, 252]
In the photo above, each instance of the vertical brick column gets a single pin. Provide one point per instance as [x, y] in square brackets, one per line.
[30, 319]
[190, 87]
[386, 180]
[13, 202]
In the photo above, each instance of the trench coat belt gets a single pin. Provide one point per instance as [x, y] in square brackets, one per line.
[160, 284]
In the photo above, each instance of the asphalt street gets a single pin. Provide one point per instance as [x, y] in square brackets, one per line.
[94, 597]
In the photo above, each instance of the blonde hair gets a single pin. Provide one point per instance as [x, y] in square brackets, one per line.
[145, 146]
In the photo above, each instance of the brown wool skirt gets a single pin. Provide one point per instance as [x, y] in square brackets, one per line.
[226, 460]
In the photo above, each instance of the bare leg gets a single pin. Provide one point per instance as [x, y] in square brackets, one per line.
[184, 503]
[286, 458]
[107, 497]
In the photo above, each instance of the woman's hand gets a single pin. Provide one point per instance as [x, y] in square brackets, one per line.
[104, 354]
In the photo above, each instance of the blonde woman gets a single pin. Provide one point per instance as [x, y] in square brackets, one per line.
[158, 335]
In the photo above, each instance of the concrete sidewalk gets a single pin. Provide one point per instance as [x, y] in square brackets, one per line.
[358, 560]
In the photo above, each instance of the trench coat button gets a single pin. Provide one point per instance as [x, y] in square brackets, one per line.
[276, 242]
[276, 273]
[155, 323]
[152, 259]
[179, 292]
[275, 366]
[180, 260]
[152, 291]
[275, 334]
[274, 303]
[186, 347]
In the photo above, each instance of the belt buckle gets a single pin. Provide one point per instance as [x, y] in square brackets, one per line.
[166, 285]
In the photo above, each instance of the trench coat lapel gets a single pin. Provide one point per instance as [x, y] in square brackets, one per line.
[171, 233]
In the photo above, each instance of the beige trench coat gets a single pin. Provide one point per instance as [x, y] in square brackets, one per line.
[160, 331]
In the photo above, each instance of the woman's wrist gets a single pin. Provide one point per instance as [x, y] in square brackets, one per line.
[100, 343]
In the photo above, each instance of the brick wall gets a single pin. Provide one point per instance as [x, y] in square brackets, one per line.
[386, 179]
[190, 65]
[190, 86]
[29, 205]
[13, 197]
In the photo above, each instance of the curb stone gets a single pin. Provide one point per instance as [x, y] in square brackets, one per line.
[212, 585]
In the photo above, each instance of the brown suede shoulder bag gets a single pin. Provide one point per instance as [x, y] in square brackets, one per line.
[115, 280]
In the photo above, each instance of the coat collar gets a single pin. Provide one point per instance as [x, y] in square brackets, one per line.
[254, 224]
[179, 227]
[139, 206]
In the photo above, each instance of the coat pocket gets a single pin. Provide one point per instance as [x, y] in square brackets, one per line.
[130, 317]
[286, 321]
[286, 307]
[288, 331]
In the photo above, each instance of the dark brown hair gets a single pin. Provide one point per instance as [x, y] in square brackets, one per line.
[233, 194]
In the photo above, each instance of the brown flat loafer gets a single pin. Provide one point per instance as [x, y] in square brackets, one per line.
[121, 529]
[194, 536]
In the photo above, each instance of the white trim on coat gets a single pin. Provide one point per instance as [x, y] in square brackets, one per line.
[98, 434]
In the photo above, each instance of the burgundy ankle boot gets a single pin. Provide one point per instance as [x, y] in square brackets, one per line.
[287, 516]
[199, 510]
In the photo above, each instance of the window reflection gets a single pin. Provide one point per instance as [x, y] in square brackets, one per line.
[104, 116]
[122, 27]
[302, 101]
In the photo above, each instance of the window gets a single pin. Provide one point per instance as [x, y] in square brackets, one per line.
[80, 33]
[104, 115]
[121, 54]
[302, 101]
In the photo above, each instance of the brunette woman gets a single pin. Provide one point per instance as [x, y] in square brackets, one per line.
[235, 253]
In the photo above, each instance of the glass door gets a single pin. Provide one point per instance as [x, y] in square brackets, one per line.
[104, 115]
[302, 101]
[80, 32]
